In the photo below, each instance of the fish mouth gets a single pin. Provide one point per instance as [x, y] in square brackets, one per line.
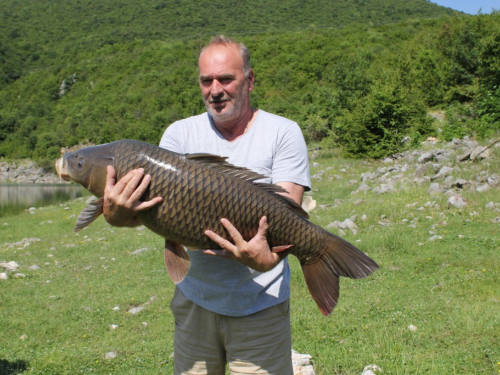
[61, 169]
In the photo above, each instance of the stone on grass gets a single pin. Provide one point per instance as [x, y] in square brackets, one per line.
[435, 238]
[308, 204]
[412, 328]
[10, 266]
[480, 153]
[139, 251]
[371, 370]
[110, 355]
[302, 364]
[3, 276]
[456, 201]
[425, 157]
[483, 188]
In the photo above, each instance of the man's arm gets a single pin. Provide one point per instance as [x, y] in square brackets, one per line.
[121, 199]
[255, 253]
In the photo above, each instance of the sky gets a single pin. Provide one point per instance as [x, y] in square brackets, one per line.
[470, 6]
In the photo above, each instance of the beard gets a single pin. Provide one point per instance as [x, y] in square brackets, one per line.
[233, 108]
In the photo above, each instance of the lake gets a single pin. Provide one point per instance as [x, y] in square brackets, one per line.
[15, 198]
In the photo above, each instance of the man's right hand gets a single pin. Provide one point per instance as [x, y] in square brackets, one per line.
[121, 199]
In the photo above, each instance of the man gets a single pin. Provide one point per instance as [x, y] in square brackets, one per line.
[227, 311]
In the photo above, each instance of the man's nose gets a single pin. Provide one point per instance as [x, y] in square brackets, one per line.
[215, 88]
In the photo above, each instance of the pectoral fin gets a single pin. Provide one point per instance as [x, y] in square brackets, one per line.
[89, 214]
[176, 260]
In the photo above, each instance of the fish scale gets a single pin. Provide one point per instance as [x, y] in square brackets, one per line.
[198, 190]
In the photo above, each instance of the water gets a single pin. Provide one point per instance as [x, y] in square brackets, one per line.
[15, 198]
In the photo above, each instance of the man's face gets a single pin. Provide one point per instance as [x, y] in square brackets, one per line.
[224, 88]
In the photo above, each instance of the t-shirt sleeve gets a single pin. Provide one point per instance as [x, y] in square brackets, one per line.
[291, 161]
[172, 138]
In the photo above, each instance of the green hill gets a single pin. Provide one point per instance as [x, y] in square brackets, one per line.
[99, 71]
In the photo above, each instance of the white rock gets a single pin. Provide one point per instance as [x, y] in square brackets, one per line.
[116, 308]
[33, 267]
[308, 204]
[110, 355]
[371, 370]
[11, 266]
[19, 275]
[113, 326]
[456, 201]
[139, 251]
[435, 238]
[3, 276]
[412, 328]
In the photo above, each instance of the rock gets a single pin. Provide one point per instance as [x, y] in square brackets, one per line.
[483, 188]
[384, 188]
[435, 188]
[3, 276]
[424, 158]
[435, 238]
[493, 180]
[371, 370]
[302, 364]
[460, 183]
[138, 309]
[456, 201]
[11, 266]
[423, 170]
[33, 268]
[443, 172]
[139, 251]
[480, 153]
[412, 328]
[110, 355]
[308, 203]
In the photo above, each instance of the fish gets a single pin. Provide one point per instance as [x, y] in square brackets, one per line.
[200, 189]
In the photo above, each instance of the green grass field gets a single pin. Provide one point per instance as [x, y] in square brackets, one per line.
[57, 319]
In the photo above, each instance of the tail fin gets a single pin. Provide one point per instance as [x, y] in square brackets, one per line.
[339, 258]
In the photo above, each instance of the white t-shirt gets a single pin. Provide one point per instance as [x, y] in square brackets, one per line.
[273, 146]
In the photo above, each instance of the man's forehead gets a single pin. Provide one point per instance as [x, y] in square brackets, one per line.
[221, 53]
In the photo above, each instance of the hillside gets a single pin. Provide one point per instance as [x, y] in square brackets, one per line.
[85, 71]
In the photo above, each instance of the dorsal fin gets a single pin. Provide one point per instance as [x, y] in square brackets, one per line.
[220, 164]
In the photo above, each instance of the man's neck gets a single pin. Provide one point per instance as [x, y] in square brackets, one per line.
[234, 129]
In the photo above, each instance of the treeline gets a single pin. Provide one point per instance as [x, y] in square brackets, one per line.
[366, 89]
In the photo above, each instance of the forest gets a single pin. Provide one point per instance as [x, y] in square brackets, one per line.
[364, 75]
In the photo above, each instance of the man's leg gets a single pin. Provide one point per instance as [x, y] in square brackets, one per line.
[260, 343]
[198, 347]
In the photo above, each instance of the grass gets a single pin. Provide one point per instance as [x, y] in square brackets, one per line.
[449, 289]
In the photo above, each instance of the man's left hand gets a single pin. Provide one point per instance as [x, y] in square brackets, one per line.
[255, 253]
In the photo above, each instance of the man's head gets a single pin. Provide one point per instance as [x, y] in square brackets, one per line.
[226, 79]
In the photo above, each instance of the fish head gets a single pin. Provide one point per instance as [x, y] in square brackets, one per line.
[87, 166]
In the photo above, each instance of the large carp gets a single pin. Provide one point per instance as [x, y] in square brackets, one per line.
[200, 189]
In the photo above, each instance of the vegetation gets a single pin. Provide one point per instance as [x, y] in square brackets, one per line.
[57, 320]
[99, 72]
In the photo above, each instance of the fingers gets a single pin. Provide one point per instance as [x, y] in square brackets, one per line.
[110, 179]
[227, 248]
[263, 227]
[233, 232]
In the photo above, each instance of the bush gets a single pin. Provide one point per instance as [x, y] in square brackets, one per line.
[380, 122]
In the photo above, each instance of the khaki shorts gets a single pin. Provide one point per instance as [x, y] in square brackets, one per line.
[204, 341]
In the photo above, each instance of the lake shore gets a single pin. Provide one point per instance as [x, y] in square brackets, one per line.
[27, 172]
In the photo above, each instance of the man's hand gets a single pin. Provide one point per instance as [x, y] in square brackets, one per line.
[255, 253]
[121, 199]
